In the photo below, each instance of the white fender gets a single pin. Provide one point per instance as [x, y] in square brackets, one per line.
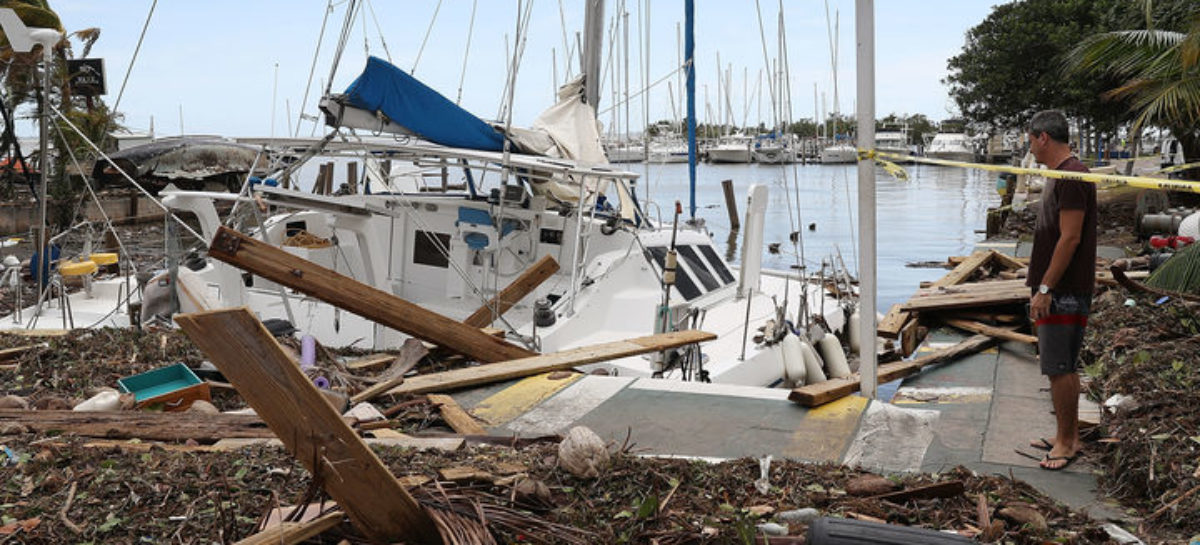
[835, 359]
[794, 370]
[854, 333]
[812, 364]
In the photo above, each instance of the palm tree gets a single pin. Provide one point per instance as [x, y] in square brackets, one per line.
[1161, 74]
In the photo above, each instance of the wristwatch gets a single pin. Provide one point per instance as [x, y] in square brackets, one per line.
[1043, 289]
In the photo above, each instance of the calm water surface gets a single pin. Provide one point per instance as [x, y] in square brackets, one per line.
[931, 216]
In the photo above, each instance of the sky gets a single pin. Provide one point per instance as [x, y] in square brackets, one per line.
[241, 68]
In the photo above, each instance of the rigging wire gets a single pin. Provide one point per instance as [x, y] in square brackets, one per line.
[136, 50]
[313, 68]
[466, 52]
[428, 31]
[343, 39]
[562, 20]
[379, 30]
[127, 177]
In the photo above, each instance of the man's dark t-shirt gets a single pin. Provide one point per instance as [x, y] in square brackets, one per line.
[1080, 276]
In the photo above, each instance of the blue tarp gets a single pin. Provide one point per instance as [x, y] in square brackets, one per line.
[407, 102]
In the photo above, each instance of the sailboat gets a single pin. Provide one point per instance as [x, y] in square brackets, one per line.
[526, 194]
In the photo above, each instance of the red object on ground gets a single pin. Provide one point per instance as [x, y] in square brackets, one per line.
[1159, 242]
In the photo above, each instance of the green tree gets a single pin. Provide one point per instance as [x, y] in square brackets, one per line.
[1009, 67]
[1158, 72]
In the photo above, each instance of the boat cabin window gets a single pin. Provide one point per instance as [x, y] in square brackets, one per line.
[429, 248]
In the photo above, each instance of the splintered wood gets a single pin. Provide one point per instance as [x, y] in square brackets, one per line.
[285, 398]
[344, 292]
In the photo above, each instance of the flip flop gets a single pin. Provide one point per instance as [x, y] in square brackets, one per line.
[1041, 443]
[1049, 458]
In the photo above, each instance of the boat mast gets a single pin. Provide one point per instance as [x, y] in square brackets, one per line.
[865, 32]
[689, 47]
[593, 27]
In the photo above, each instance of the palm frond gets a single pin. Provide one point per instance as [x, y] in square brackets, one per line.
[1122, 53]
[1169, 103]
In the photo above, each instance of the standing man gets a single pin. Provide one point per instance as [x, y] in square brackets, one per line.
[1062, 273]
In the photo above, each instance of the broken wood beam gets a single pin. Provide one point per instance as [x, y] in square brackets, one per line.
[293, 533]
[911, 336]
[155, 426]
[983, 316]
[969, 296]
[963, 271]
[991, 331]
[315, 434]
[454, 415]
[557, 361]
[893, 323]
[515, 291]
[9, 354]
[349, 294]
[814, 395]
[1009, 262]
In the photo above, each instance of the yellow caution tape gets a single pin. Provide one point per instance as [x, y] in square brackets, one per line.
[896, 171]
[1132, 181]
[1178, 168]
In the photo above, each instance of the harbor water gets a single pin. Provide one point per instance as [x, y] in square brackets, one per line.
[935, 214]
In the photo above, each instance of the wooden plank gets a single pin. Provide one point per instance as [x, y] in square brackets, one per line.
[292, 533]
[891, 325]
[370, 362]
[963, 271]
[455, 416]
[344, 292]
[992, 331]
[154, 426]
[566, 359]
[1009, 262]
[15, 352]
[512, 293]
[981, 294]
[821, 393]
[910, 338]
[983, 316]
[315, 434]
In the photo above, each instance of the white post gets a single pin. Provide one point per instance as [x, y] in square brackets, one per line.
[865, 34]
[752, 242]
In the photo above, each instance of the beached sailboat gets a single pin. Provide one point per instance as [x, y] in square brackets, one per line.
[527, 194]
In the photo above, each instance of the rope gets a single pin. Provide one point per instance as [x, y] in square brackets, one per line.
[424, 41]
[313, 67]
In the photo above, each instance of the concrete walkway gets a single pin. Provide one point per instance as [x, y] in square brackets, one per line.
[973, 412]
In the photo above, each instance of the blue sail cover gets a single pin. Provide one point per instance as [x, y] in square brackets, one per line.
[420, 109]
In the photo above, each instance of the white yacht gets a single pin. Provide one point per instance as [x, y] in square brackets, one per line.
[951, 146]
[735, 148]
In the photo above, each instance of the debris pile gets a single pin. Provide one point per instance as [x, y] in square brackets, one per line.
[1144, 355]
[70, 490]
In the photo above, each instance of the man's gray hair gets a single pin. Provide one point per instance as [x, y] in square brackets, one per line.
[1051, 122]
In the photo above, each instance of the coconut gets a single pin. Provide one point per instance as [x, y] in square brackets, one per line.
[583, 453]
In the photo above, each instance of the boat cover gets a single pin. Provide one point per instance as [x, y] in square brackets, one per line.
[384, 88]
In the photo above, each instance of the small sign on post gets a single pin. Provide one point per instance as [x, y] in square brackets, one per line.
[86, 77]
